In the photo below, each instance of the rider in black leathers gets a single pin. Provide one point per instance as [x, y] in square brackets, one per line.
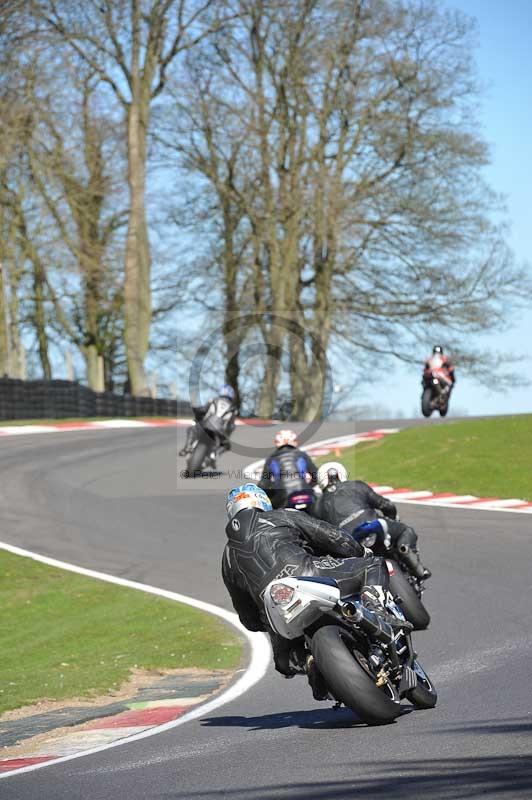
[287, 470]
[348, 504]
[216, 419]
[265, 545]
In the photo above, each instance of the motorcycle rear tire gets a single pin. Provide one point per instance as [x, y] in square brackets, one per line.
[197, 459]
[444, 409]
[426, 402]
[348, 681]
[410, 603]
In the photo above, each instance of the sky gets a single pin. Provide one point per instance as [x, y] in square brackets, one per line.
[504, 65]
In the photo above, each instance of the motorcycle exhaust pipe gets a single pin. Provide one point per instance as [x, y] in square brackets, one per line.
[411, 559]
[370, 623]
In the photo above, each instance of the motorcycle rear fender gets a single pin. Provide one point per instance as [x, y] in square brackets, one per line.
[310, 601]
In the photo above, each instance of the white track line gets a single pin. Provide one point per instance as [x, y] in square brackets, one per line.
[260, 655]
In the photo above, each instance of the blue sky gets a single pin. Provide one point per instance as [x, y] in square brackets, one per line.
[504, 63]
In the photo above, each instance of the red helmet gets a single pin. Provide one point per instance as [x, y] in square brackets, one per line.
[286, 437]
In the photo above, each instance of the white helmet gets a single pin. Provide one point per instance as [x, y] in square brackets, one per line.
[331, 472]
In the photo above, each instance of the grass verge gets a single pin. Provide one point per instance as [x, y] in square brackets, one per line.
[487, 458]
[66, 636]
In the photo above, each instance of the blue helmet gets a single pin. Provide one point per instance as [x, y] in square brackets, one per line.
[227, 391]
[247, 496]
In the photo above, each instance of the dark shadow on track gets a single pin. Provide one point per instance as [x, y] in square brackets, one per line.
[319, 718]
[446, 779]
[520, 725]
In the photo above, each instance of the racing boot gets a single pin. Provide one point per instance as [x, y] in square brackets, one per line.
[188, 443]
[316, 680]
[410, 557]
[373, 598]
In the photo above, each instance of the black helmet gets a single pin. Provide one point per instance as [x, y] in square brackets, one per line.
[437, 349]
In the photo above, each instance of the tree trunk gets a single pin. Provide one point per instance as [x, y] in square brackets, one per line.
[4, 344]
[232, 333]
[137, 297]
[39, 318]
[17, 357]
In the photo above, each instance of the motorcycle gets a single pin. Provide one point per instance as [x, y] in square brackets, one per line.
[436, 392]
[204, 450]
[406, 584]
[364, 662]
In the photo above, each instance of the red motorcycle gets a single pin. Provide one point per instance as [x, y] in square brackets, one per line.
[436, 391]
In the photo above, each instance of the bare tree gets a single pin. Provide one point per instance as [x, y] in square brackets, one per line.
[130, 45]
[70, 159]
[371, 228]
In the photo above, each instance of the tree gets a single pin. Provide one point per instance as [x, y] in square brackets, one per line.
[130, 45]
[70, 157]
[371, 228]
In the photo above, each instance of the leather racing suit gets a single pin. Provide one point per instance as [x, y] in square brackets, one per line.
[264, 545]
[439, 362]
[351, 503]
[216, 419]
[285, 471]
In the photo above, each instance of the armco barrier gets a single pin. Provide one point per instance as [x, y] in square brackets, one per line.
[58, 399]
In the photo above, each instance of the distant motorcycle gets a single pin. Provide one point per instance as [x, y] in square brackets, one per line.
[405, 572]
[366, 663]
[204, 450]
[436, 392]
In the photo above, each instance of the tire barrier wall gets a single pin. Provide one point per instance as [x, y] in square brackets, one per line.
[58, 399]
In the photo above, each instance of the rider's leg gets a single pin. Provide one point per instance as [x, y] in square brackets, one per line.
[191, 435]
[365, 576]
[404, 540]
[288, 655]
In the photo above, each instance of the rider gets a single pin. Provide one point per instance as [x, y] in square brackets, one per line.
[287, 469]
[217, 419]
[265, 544]
[349, 504]
[439, 361]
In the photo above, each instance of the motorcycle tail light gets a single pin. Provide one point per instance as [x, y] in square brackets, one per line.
[281, 594]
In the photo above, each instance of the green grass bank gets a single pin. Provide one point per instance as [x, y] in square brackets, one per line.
[68, 636]
[488, 458]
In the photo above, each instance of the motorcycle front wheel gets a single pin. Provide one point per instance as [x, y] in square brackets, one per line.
[410, 603]
[426, 402]
[350, 681]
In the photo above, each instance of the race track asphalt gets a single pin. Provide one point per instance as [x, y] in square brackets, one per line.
[114, 501]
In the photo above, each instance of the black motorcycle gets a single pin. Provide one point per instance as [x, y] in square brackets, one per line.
[436, 392]
[406, 584]
[202, 454]
[205, 445]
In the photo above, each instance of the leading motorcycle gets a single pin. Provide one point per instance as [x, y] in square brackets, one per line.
[364, 662]
[436, 392]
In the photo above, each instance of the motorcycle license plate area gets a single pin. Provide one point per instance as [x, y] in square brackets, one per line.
[301, 500]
